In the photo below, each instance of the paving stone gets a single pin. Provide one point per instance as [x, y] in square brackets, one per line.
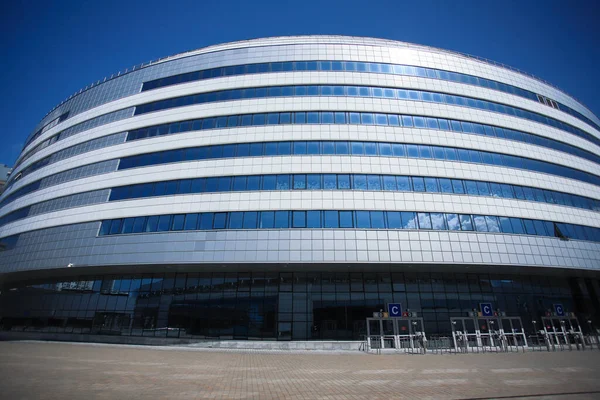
[46, 370]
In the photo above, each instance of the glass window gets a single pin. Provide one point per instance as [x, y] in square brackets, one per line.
[327, 118]
[367, 118]
[164, 223]
[313, 219]
[381, 119]
[312, 117]
[224, 184]
[307, 148]
[424, 220]
[127, 225]
[314, 181]
[329, 181]
[483, 188]
[328, 147]
[418, 183]
[359, 182]
[206, 221]
[472, 188]
[299, 219]
[377, 219]
[178, 221]
[300, 147]
[517, 225]
[236, 220]
[505, 225]
[340, 118]
[394, 221]
[370, 149]
[267, 219]
[373, 182]
[115, 226]
[300, 118]
[529, 227]
[389, 182]
[438, 221]
[269, 182]
[191, 222]
[152, 224]
[299, 182]
[331, 219]
[412, 150]
[445, 185]
[346, 219]
[480, 224]
[453, 222]
[431, 185]
[404, 183]
[409, 220]
[283, 182]
[385, 149]
[492, 223]
[393, 120]
[357, 148]
[281, 219]
[239, 183]
[250, 220]
[343, 182]
[219, 221]
[138, 224]
[466, 223]
[363, 219]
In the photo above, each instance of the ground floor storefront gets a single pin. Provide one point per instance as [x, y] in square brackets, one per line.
[283, 302]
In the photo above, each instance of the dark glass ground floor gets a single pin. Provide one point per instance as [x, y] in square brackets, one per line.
[282, 302]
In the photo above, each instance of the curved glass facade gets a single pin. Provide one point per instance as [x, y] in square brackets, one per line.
[298, 196]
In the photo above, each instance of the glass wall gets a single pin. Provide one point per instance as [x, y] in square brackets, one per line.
[278, 305]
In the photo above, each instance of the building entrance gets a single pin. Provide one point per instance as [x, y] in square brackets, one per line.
[396, 333]
[476, 333]
[562, 331]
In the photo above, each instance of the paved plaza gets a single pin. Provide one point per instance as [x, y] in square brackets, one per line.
[41, 370]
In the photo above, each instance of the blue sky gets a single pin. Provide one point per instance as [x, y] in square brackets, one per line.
[52, 49]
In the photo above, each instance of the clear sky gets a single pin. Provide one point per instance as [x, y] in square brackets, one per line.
[52, 49]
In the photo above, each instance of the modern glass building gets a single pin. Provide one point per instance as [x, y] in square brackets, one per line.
[286, 188]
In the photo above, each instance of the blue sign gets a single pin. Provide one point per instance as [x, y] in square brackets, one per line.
[559, 309]
[486, 309]
[395, 309]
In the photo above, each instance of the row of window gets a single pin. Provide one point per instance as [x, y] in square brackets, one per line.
[346, 182]
[47, 127]
[314, 282]
[332, 219]
[352, 66]
[71, 151]
[336, 182]
[374, 149]
[356, 118]
[359, 91]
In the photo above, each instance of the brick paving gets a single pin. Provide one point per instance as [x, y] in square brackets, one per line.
[39, 370]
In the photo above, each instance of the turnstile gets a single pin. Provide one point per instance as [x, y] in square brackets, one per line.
[396, 333]
[562, 331]
[487, 333]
